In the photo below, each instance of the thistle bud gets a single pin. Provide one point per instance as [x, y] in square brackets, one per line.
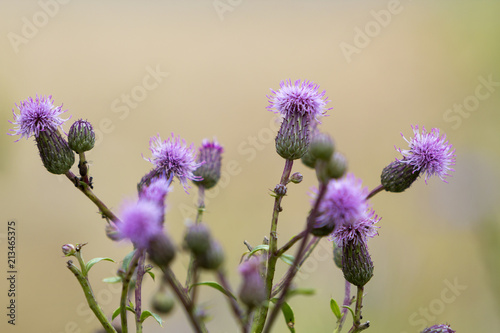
[337, 255]
[337, 166]
[162, 303]
[56, 155]
[68, 249]
[161, 250]
[280, 190]
[292, 140]
[112, 232]
[211, 156]
[81, 136]
[212, 258]
[321, 147]
[357, 264]
[253, 290]
[323, 229]
[398, 176]
[296, 178]
[308, 160]
[438, 329]
[197, 238]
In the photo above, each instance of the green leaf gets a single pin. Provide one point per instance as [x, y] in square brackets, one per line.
[352, 312]
[127, 259]
[94, 261]
[261, 247]
[113, 279]
[301, 291]
[152, 276]
[287, 258]
[117, 311]
[289, 317]
[335, 309]
[214, 285]
[145, 314]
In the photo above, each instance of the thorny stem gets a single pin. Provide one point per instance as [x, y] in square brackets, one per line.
[298, 259]
[138, 294]
[261, 315]
[198, 326]
[375, 191]
[89, 295]
[238, 313]
[125, 286]
[85, 189]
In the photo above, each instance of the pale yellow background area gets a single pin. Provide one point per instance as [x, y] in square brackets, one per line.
[425, 58]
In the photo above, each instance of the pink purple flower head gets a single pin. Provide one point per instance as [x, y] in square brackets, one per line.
[344, 201]
[156, 191]
[36, 115]
[299, 98]
[253, 289]
[429, 152]
[174, 156]
[358, 231]
[140, 222]
[439, 329]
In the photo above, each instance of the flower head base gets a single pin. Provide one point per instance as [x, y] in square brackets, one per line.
[357, 264]
[141, 222]
[173, 156]
[299, 98]
[56, 155]
[344, 202]
[36, 116]
[438, 329]
[429, 153]
[210, 158]
[357, 232]
[81, 136]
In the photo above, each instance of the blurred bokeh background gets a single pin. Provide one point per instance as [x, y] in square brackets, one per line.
[203, 69]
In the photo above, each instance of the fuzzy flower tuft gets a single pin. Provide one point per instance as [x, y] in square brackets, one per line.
[357, 232]
[36, 115]
[174, 156]
[156, 191]
[429, 152]
[140, 222]
[344, 202]
[299, 98]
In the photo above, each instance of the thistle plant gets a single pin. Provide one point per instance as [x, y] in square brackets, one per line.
[340, 210]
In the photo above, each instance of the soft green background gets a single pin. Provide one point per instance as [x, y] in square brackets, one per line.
[427, 57]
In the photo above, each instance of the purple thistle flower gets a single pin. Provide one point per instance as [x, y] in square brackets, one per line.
[438, 329]
[429, 152]
[344, 202]
[299, 98]
[175, 157]
[156, 191]
[357, 232]
[210, 157]
[36, 116]
[140, 222]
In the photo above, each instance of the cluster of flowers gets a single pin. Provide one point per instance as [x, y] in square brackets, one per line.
[340, 204]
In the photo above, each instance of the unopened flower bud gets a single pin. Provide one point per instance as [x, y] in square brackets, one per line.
[56, 155]
[398, 176]
[323, 229]
[337, 166]
[161, 250]
[308, 160]
[210, 154]
[280, 190]
[357, 264]
[162, 303]
[68, 249]
[321, 147]
[337, 255]
[292, 140]
[296, 178]
[438, 329]
[253, 290]
[212, 258]
[197, 238]
[81, 136]
[112, 232]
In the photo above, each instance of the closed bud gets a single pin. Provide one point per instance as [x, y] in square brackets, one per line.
[308, 160]
[398, 176]
[321, 147]
[81, 136]
[162, 303]
[56, 155]
[112, 232]
[197, 238]
[357, 264]
[324, 229]
[210, 154]
[296, 178]
[68, 249]
[161, 250]
[337, 255]
[292, 140]
[337, 166]
[212, 258]
[253, 290]
[280, 190]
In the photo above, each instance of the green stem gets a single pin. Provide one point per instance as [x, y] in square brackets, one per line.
[85, 189]
[238, 313]
[192, 273]
[126, 282]
[356, 325]
[89, 295]
[347, 302]
[261, 315]
[290, 243]
[375, 191]
[138, 294]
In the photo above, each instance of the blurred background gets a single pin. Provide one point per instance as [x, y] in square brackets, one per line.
[202, 69]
